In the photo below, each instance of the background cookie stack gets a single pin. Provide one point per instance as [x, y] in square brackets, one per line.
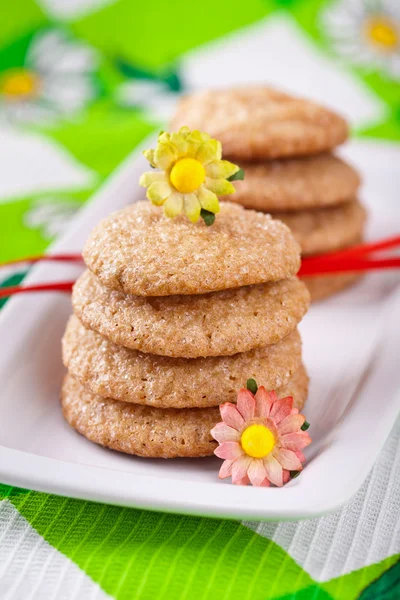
[172, 318]
[282, 144]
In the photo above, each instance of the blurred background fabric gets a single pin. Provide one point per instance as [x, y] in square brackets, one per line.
[82, 82]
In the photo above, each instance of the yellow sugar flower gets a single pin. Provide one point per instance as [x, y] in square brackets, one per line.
[191, 176]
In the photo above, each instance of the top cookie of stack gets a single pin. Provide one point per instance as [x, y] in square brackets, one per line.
[283, 143]
[171, 318]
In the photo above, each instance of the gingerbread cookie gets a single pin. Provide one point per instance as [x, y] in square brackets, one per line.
[148, 431]
[220, 323]
[296, 184]
[256, 123]
[116, 372]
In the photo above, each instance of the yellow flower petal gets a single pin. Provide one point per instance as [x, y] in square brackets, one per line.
[209, 151]
[221, 169]
[164, 155]
[192, 207]
[191, 148]
[146, 179]
[149, 154]
[208, 200]
[158, 192]
[221, 187]
[180, 143]
[194, 140]
[184, 131]
[173, 205]
[198, 136]
[164, 137]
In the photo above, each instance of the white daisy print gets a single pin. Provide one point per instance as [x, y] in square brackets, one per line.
[153, 97]
[55, 80]
[366, 33]
[51, 215]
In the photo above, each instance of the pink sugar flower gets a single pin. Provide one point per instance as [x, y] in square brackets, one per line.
[260, 438]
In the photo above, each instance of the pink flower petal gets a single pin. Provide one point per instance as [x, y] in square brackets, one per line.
[295, 411]
[256, 472]
[226, 469]
[287, 459]
[295, 441]
[246, 404]
[273, 396]
[281, 409]
[239, 467]
[231, 416]
[290, 424]
[274, 470]
[263, 402]
[265, 483]
[224, 433]
[286, 476]
[244, 481]
[229, 450]
[300, 456]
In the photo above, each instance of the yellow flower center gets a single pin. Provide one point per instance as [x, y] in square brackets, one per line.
[187, 175]
[257, 441]
[382, 32]
[18, 83]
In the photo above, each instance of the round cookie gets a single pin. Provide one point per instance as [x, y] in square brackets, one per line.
[148, 431]
[217, 324]
[322, 230]
[296, 184]
[256, 123]
[128, 375]
[323, 286]
[140, 251]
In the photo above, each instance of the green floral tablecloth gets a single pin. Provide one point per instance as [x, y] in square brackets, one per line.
[81, 83]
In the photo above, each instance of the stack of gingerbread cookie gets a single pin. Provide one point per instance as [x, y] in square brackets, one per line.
[170, 320]
[284, 145]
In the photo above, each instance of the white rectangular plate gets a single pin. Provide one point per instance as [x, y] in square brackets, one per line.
[351, 346]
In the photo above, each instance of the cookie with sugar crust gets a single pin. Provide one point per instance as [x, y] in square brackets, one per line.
[296, 183]
[216, 324]
[258, 123]
[131, 376]
[139, 251]
[148, 431]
